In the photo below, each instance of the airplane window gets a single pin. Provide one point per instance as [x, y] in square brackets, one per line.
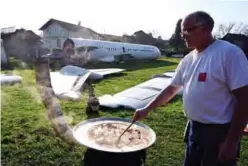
[81, 49]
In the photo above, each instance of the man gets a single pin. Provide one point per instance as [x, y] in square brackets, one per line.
[68, 49]
[215, 80]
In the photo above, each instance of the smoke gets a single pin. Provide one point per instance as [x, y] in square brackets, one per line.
[3, 97]
[23, 45]
[33, 91]
[56, 116]
[69, 117]
[24, 65]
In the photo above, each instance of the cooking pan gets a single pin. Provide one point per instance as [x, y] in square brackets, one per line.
[80, 133]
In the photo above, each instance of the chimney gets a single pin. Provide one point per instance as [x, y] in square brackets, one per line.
[79, 23]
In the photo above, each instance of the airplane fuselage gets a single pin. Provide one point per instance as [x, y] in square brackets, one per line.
[108, 51]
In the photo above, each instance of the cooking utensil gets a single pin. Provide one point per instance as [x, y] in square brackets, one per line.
[80, 133]
[125, 131]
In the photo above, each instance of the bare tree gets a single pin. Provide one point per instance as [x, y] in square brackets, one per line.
[224, 29]
[241, 28]
[153, 33]
[246, 32]
[232, 27]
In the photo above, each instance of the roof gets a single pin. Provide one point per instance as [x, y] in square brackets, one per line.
[236, 36]
[66, 25]
[239, 40]
[30, 33]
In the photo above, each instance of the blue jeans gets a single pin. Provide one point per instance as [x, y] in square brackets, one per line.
[202, 144]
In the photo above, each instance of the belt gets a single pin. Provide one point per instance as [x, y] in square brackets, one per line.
[196, 123]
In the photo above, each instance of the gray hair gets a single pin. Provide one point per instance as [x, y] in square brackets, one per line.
[203, 18]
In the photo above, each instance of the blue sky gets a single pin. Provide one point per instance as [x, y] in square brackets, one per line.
[119, 16]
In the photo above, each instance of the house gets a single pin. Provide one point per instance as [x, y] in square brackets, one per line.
[4, 58]
[239, 40]
[8, 29]
[55, 32]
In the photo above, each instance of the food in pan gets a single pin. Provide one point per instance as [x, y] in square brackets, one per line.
[107, 135]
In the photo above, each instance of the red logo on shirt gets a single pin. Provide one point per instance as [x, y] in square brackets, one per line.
[202, 77]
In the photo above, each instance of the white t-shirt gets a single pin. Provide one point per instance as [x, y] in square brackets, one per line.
[208, 78]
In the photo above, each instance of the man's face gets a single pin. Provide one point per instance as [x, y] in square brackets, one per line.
[69, 45]
[69, 49]
[191, 32]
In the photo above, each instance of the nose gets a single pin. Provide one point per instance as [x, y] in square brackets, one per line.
[70, 51]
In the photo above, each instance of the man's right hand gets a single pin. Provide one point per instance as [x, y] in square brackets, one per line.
[140, 114]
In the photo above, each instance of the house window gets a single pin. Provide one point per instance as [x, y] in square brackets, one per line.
[59, 43]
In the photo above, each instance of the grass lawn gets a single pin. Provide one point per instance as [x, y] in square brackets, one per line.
[27, 137]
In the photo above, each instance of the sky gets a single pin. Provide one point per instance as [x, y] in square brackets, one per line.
[118, 17]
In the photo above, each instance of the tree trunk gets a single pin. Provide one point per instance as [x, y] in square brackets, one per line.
[54, 112]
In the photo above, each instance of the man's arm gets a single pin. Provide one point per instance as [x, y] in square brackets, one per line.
[240, 116]
[169, 92]
[164, 97]
[237, 81]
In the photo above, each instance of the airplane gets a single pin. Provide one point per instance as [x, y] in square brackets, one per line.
[94, 51]
[108, 51]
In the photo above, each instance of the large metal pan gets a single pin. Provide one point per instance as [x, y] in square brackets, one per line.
[80, 133]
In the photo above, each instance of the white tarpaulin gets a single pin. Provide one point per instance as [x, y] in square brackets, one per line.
[139, 95]
[10, 79]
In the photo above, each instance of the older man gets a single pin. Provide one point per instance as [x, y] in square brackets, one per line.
[215, 80]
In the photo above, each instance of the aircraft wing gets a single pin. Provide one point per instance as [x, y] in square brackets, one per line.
[95, 74]
[139, 95]
[67, 82]
[7, 79]
[104, 72]
[67, 87]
